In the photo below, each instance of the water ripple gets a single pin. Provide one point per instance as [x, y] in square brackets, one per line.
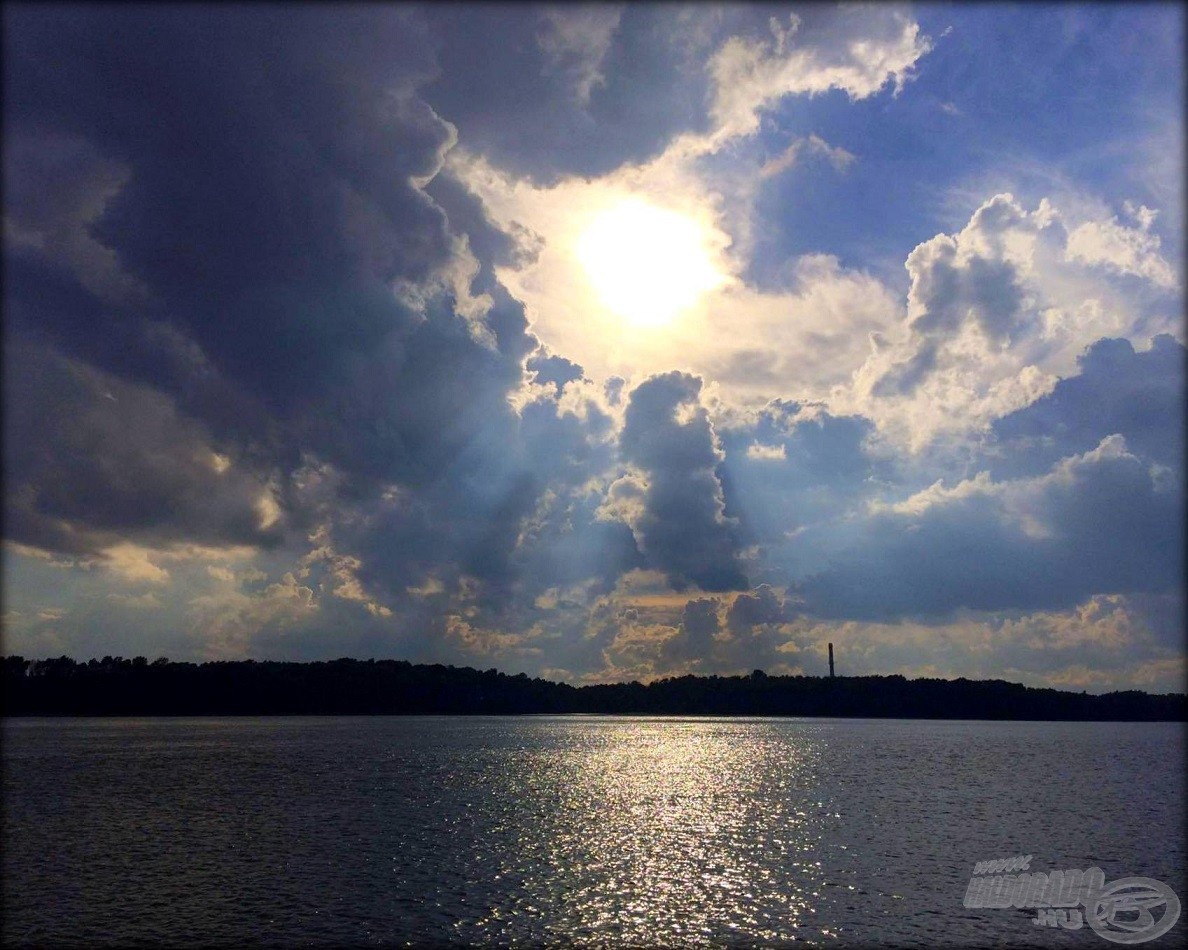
[569, 830]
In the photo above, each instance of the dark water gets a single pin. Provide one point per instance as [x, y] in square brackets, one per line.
[605, 831]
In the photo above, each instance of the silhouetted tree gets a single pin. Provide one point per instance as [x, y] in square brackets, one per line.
[117, 686]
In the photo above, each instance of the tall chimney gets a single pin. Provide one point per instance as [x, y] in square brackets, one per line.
[831, 661]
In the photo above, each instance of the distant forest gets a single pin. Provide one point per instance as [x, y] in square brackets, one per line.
[136, 687]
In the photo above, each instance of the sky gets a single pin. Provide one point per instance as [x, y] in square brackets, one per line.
[598, 342]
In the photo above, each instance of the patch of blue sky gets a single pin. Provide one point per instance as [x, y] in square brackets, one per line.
[1039, 100]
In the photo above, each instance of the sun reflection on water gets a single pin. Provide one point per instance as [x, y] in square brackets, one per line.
[662, 832]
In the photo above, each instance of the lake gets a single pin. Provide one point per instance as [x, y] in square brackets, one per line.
[587, 830]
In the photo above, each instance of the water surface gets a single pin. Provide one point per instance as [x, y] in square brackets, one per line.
[599, 830]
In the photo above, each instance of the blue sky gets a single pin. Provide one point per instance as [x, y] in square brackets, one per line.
[599, 342]
[1012, 95]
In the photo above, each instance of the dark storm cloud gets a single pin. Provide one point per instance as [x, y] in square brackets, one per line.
[582, 89]
[761, 607]
[512, 510]
[680, 522]
[823, 469]
[245, 249]
[1101, 522]
[554, 369]
[468, 216]
[1138, 395]
[1082, 495]
[694, 639]
[252, 171]
[511, 89]
[752, 635]
[91, 460]
[564, 543]
[400, 412]
[267, 154]
[743, 636]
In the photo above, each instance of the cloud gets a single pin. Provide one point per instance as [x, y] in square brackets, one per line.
[857, 54]
[995, 313]
[300, 360]
[575, 41]
[134, 564]
[770, 452]
[723, 635]
[1104, 643]
[258, 226]
[1099, 522]
[1137, 394]
[339, 573]
[816, 468]
[279, 251]
[692, 644]
[628, 82]
[315, 344]
[674, 505]
[92, 460]
[969, 283]
[814, 332]
[57, 186]
[228, 621]
[638, 77]
[1123, 249]
[807, 336]
[837, 156]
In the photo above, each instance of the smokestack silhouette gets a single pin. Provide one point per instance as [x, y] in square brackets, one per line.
[831, 661]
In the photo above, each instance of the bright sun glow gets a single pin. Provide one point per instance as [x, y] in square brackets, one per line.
[646, 264]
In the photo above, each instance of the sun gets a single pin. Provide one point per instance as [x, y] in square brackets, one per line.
[646, 264]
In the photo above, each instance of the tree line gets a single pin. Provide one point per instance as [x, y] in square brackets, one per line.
[115, 686]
